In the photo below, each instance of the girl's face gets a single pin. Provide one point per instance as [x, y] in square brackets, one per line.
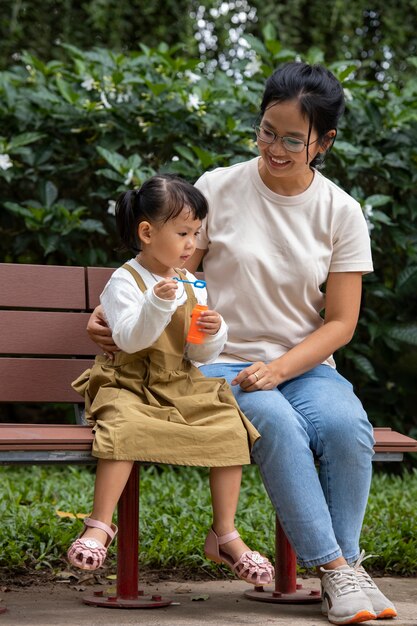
[283, 171]
[169, 245]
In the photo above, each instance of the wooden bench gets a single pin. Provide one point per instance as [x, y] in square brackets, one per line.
[43, 347]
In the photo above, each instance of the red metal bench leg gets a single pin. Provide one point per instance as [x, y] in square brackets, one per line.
[287, 590]
[127, 594]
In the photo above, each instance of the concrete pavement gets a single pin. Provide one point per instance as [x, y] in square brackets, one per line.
[218, 603]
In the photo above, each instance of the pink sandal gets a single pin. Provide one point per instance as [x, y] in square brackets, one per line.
[89, 553]
[251, 566]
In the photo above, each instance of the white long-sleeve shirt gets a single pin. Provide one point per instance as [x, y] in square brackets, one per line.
[138, 319]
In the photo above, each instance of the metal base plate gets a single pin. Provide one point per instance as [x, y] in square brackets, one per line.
[300, 596]
[140, 602]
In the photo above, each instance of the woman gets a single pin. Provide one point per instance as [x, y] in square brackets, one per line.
[276, 232]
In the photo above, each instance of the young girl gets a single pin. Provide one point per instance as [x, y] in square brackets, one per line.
[150, 403]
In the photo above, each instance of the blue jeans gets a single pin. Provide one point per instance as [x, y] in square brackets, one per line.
[315, 415]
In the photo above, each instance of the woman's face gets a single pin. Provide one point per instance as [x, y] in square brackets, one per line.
[281, 170]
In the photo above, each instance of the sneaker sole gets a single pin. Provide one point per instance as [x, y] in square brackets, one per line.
[387, 613]
[362, 616]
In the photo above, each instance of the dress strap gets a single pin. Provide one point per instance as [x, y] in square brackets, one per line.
[138, 278]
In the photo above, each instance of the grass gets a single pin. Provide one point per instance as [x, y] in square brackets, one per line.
[175, 515]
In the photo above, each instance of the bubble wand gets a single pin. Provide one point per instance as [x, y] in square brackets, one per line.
[200, 284]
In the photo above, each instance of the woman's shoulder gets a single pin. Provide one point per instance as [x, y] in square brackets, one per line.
[338, 195]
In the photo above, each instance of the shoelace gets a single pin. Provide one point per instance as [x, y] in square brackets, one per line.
[343, 582]
[362, 575]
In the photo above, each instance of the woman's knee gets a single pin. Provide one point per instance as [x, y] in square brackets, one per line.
[345, 431]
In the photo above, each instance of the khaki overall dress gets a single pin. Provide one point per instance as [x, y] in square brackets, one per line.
[156, 406]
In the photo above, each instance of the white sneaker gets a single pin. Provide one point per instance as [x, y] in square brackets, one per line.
[344, 602]
[383, 607]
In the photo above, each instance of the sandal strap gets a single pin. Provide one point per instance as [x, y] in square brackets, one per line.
[95, 523]
[229, 537]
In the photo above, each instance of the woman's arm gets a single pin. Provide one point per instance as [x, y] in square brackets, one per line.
[343, 297]
[100, 332]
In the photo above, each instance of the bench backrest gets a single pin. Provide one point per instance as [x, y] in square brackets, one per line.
[43, 341]
[44, 346]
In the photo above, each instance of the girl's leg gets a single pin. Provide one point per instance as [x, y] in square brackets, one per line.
[225, 488]
[111, 478]
[246, 564]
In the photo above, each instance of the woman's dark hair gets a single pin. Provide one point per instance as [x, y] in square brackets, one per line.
[161, 198]
[315, 88]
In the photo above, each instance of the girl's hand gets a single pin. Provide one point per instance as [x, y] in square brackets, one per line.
[257, 377]
[166, 289]
[209, 322]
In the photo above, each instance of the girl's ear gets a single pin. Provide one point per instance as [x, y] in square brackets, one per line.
[144, 232]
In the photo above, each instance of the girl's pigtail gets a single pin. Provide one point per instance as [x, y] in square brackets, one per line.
[127, 214]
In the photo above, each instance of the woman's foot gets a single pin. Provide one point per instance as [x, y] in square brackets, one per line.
[344, 602]
[247, 564]
[383, 607]
[89, 550]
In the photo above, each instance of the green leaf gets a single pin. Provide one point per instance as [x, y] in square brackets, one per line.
[315, 55]
[407, 281]
[378, 200]
[113, 158]
[206, 158]
[50, 194]
[269, 33]
[23, 140]
[406, 333]
[256, 45]
[157, 88]
[364, 365]
[347, 149]
[93, 226]
[66, 91]
[379, 216]
[185, 153]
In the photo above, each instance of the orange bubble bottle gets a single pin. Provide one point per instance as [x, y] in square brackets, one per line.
[195, 335]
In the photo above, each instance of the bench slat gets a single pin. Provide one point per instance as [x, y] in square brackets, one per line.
[388, 440]
[42, 286]
[45, 332]
[97, 277]
[64, 435]
[40, 380]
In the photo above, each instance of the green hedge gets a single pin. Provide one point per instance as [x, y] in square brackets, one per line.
[77, 131]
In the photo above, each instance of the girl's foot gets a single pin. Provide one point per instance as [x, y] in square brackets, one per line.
[233, 552]
[89, 550]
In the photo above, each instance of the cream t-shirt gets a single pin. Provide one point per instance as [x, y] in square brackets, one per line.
[268, 256]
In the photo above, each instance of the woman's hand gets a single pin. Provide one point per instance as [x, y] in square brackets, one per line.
[257, 377]
[100, 333]
[209, 322]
